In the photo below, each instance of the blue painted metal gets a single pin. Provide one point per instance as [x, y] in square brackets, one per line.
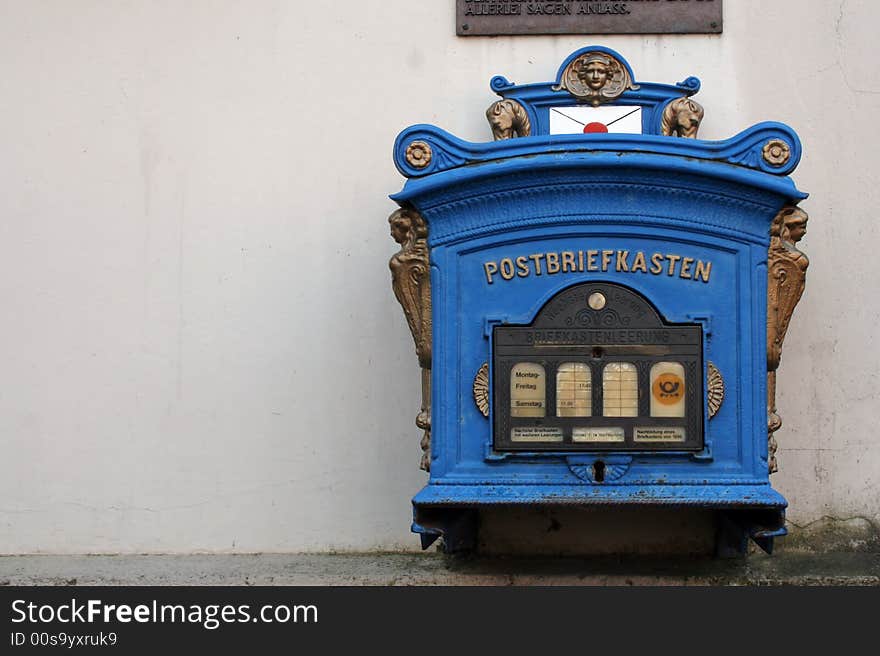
[713, 201]
[450, 153]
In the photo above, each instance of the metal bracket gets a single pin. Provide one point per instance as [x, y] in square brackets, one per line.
[457, 526]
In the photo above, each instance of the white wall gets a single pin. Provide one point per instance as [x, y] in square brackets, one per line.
[200, 347]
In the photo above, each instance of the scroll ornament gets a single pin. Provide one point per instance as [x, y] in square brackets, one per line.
[786, 272]
[411, 282]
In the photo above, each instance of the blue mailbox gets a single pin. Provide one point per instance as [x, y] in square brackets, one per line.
[589, 299]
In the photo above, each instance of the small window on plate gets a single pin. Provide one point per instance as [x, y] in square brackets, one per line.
[574, 390]
[528, 388]
[620, 390]
[667, 390]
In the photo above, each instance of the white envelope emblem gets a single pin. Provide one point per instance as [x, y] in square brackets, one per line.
[596, 120]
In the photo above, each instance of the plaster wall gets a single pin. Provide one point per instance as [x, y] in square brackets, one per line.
[200, 348]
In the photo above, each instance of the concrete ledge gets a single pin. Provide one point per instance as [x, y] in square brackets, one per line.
[435, 569]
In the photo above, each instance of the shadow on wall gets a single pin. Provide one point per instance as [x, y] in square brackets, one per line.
[564, 531]
[634, 531]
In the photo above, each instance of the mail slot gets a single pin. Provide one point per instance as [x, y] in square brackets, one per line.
[598, 300]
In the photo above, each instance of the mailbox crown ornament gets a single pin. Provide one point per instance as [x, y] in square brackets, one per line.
[590, 294]
[595, 76]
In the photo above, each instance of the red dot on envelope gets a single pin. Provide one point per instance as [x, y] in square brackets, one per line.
[590, 128]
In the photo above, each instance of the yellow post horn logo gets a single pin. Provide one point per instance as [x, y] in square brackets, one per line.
[668, 389]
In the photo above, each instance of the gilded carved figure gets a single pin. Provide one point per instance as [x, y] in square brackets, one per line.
[787, 270]
[594, 71]
[508, 119]
[596, 77]
[411, 281]
[682, 118]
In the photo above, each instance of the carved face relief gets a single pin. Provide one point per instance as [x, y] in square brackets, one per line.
[797, 229]
[596, 77]
[595, 74]
[400, 227]
[790, 225]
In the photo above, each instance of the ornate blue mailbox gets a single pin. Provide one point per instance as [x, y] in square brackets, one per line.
[589, 300]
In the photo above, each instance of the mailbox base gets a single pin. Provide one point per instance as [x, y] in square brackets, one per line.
[744, 512]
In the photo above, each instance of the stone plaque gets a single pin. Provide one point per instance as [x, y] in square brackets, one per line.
[486, 18]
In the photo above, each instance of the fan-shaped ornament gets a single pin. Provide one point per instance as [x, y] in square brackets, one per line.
[714, 389]
[481, 389]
